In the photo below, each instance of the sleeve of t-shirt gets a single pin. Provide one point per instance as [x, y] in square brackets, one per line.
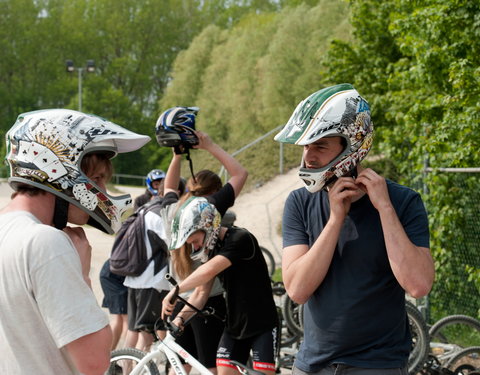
[223, 199]
[240, 245]
[66, 303]
[414, 219]
[293, 222]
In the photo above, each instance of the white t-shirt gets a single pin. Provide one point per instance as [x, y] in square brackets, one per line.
[44, 300]
[153, 276]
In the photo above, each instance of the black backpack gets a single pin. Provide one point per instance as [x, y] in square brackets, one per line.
[129, 252]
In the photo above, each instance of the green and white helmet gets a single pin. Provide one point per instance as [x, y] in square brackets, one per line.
[336, 111]
[194, 215]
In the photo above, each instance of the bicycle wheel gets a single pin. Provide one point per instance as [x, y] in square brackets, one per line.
[293, 315]
[420, 343]
[466, 361]
[451, 334]
[269, 259]
[127, 359]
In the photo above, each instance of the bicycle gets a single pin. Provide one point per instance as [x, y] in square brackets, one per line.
[165, 352]
[453, 333]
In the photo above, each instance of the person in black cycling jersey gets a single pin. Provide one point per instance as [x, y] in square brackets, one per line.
[232, 254]
[201, 337]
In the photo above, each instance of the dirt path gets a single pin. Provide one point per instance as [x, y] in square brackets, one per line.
[259, 211]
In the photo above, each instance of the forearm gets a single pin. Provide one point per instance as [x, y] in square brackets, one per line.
[172, 177]
[202, 275]
[198, 299]
[412, 266]
[303, 271]
[238, 174]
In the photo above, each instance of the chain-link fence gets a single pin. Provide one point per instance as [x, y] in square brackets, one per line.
[453, 200]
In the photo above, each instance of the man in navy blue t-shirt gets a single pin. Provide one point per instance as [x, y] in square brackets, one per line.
[354, 243]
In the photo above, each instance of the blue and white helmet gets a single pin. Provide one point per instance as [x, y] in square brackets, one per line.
[336, 111]
[176, 127]
[154, 175]
[45, 149]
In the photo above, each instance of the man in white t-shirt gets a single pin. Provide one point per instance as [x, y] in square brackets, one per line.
[50, 322]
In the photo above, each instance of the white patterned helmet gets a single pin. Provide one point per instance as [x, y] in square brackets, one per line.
[336, 111]
[45, 150]
[194, 215]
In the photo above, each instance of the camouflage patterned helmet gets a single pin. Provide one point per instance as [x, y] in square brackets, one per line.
[336, 111]
[194, 215]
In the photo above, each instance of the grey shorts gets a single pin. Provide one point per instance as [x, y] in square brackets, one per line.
[339, 369]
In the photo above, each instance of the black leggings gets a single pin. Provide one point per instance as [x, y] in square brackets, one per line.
[201, 336]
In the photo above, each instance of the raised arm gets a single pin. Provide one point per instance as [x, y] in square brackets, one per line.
[238, 174]
[412, 265]
[304, 269]
[172, 178]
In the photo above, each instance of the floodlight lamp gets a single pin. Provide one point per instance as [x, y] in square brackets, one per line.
[69, 66]
[90, 66]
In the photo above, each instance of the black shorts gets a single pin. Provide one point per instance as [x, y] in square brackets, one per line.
[264, 350]
[201, 336]
[145, 309]
[115, 293]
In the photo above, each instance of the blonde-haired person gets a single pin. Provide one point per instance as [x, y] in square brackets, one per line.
[201, 337]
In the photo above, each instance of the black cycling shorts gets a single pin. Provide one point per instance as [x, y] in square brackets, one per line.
[264, 350]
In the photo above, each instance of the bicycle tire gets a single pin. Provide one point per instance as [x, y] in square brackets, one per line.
[440, 330]
[133, 355]
[269, 259]
[293, 315]
[420, 339]
[471, 358]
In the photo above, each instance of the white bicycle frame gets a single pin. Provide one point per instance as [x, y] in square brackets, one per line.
[172, 351]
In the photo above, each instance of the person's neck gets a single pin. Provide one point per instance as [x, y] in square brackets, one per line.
[41, 206]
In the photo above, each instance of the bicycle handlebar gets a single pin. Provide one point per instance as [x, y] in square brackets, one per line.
[175, 284]
[207, 311]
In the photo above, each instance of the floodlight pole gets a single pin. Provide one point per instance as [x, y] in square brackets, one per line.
[80, 71]
[71, 68]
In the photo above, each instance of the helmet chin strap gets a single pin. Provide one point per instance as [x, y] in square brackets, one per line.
[60, 213]
[353, 173]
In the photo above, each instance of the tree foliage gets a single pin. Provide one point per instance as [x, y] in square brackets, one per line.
[248, 79]
[417, 62]
[133, 43]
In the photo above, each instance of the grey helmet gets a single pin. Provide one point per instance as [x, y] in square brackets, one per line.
[45, 150]
[194, 215]
[336, 111]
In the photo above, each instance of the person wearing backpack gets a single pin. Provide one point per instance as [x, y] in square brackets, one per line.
[115, 292]
[140, 254]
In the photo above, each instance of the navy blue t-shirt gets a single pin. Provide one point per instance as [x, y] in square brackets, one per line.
[357, 316]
